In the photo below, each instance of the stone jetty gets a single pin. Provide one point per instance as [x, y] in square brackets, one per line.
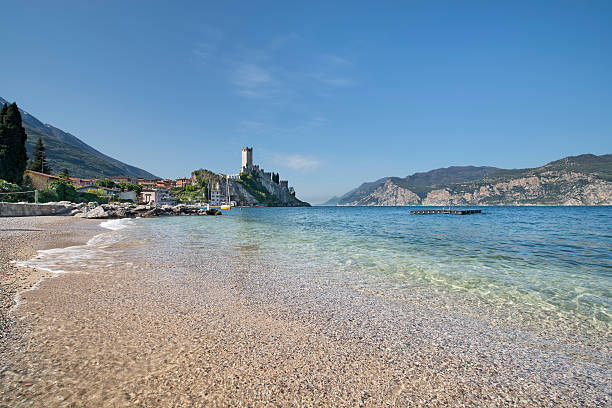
[102, 211]
[127, 210]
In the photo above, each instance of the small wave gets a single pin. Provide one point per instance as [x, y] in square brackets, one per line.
[116, 224]
[78, 258]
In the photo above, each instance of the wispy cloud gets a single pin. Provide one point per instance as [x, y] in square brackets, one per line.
[338, 82]
[334, 71]
[205, 52]
[251, 80]
[268, 73]
[331, 59]
[297, 161]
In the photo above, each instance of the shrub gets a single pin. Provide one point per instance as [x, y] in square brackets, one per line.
[46, 196]
[88, 197]
[6, 188]
[64, 190]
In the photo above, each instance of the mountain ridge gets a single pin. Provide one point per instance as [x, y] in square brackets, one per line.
[66, 151]
[574, 180]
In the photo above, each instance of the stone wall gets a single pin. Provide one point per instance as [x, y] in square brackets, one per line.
[29, 210]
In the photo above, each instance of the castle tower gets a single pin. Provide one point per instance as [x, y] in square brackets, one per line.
[247, 158]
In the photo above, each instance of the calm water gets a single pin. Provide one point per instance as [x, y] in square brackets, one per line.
[540, 266]
[549, 262]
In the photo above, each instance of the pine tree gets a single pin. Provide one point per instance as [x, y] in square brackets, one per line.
[13, 155]
[40, 162]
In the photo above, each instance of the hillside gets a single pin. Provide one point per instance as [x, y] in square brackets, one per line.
[575, 180]
[419, 183]
[250, 189]
[66, 151]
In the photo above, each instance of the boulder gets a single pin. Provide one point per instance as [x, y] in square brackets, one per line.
[213, 211]
[117, 212]
[97, 212]
[154, 212]
[75, 211]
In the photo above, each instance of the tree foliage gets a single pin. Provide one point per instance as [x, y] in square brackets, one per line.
[64, 190]
[13, 155]
[40, 162]
[105, 183]
[64, 174]
[130, 187]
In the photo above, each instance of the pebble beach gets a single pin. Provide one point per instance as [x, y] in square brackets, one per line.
[133, 325]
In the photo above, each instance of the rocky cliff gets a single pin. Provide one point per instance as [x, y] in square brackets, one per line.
[578, 180]
[254, 189]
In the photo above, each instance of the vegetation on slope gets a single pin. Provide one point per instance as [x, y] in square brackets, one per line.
[66, 151]
[251, 183]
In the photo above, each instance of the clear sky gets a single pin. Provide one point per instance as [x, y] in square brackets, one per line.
[329, 94]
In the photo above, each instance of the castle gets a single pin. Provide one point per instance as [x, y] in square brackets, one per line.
[247, 158]
[248, 166]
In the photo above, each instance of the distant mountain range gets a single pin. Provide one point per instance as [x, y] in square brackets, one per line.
[575, 180]
[66, 151]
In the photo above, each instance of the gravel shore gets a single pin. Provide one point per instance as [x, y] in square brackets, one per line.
[146, 325]
[21, 237]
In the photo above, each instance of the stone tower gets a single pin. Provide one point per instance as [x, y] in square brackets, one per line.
[247, 158]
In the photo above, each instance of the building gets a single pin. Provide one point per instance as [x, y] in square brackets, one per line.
[247, 158]
[182, 182]
[40, 181]
[216, 198]
[164, 184]
[129, 180]
[83, 182]
[150, 196]
[128, 195]
[147, 184]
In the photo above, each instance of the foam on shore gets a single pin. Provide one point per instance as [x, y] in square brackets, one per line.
[76, 258]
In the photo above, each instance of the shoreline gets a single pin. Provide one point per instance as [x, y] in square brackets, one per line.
[235, 332]
[22, 238]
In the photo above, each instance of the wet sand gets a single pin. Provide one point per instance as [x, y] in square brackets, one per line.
[21, 237]
[150, 333]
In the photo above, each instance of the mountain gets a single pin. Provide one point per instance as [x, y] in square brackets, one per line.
[331, 202]
[416, 183]
[574, 180]
[66, 151]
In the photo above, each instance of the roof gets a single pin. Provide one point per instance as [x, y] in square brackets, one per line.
[41, 174]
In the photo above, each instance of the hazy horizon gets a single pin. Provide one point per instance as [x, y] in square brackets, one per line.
[329, 96]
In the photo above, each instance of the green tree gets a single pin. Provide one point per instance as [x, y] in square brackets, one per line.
[13, 155]
[64, 174]
[40, 162]
[105, 183]
[64, 190]
[130, 187]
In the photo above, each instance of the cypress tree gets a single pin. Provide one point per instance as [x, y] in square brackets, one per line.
[13, 155]
[40, 162]
[3, 143]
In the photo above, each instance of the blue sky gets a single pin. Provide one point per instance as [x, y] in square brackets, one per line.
[329, 95]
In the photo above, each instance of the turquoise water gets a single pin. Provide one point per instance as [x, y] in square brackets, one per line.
[551, 263]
